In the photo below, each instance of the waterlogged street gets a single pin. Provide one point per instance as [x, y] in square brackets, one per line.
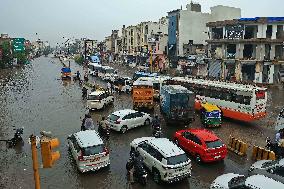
[35, 97]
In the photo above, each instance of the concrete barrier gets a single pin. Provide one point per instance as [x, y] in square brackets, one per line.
[259, 153]
[237, 146]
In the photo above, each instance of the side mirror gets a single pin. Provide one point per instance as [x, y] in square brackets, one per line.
[271, 171]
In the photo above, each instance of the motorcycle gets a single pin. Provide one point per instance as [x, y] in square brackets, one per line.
[157, 131]
[84, 93]
[140, 173]
[104, 131]
[17, 139]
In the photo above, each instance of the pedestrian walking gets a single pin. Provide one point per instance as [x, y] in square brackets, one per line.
[109, 87]
[89, 124]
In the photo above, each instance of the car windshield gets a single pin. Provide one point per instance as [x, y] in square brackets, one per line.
[177, 159]
[93, 150]
[113, 117]
[94, 97]
[237, 182]
[214, 144]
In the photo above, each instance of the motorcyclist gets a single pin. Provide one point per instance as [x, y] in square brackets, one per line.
[84, 92]
[156, 123]
[103, 125]
[89, 124]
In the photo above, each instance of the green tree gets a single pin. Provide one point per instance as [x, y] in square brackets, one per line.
[7, 56]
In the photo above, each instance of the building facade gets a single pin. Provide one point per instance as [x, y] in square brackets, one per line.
[247, 49]
[187, 28]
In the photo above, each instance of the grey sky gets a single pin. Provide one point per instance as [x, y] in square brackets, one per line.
[53, 19]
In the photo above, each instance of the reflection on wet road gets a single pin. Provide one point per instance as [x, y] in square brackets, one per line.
[34, 97]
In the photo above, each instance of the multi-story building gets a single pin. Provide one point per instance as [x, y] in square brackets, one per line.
[138, 39]
[247, 49]
[187, 28]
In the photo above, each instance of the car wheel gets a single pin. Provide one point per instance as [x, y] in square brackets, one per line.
[156, 176]
[147, 122]
[123, 129]
[198, 158]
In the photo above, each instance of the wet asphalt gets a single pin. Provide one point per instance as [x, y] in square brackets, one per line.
[35, 97]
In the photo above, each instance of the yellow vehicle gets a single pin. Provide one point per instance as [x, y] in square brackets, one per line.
[210, 115]
[143, 94]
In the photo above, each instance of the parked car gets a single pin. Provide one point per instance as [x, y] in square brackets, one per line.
[204, 145]
[88, 150]
[275, 172]
[99, 99]
[163, 158]
[231, 180]
[124, 120]
[266, 164]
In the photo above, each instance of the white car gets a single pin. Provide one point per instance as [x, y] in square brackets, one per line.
[231, 180]
[88, 150]
[266, 164]
[163, 158]
[123, 120]
[99, 99]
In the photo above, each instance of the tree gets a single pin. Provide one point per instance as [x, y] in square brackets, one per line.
[7, 56]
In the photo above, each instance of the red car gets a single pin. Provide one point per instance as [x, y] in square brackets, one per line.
[204, 145]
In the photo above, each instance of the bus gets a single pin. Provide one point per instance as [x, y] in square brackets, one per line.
[236, 101]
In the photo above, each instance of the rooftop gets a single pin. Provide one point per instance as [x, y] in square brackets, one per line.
[88, 138]
[255, 20]
[174, 89]
[166, 147]
[204, 134]
[124, 112]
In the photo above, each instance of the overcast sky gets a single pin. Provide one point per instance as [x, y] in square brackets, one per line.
[55, 19]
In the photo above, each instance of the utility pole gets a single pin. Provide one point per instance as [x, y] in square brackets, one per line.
[151, 59]
[35, 161]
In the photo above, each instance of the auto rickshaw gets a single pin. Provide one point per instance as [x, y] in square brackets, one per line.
[210, 115]
[66, 73]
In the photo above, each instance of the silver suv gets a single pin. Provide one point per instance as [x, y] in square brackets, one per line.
[163, 158]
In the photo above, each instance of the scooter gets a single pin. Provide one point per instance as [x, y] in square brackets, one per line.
[140, 173]
[17, 139]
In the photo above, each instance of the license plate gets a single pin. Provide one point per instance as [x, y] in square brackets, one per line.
[95, 159]
[217, 157]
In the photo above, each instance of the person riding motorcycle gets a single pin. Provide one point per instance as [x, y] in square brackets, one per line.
[156, 125]
[103, 125]
[84, 92]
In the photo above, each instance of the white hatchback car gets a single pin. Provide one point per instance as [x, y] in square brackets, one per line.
[123, 120]
[163, 158]
[88, 150]
[231, 180]
[99, 99]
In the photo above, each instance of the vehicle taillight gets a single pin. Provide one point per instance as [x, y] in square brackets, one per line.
[80, 157]
[106, 151]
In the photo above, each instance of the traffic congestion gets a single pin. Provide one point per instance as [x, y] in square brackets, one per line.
[180, 100]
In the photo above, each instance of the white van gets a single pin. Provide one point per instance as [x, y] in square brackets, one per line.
[99, 99]
[280, 121]
[88, 150]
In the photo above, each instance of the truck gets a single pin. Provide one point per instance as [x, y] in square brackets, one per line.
[143, 94]
[177, 103]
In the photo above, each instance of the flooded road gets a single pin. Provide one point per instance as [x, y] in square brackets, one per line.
[34, 97]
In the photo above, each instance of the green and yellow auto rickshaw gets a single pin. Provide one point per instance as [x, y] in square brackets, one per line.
[210, 115]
